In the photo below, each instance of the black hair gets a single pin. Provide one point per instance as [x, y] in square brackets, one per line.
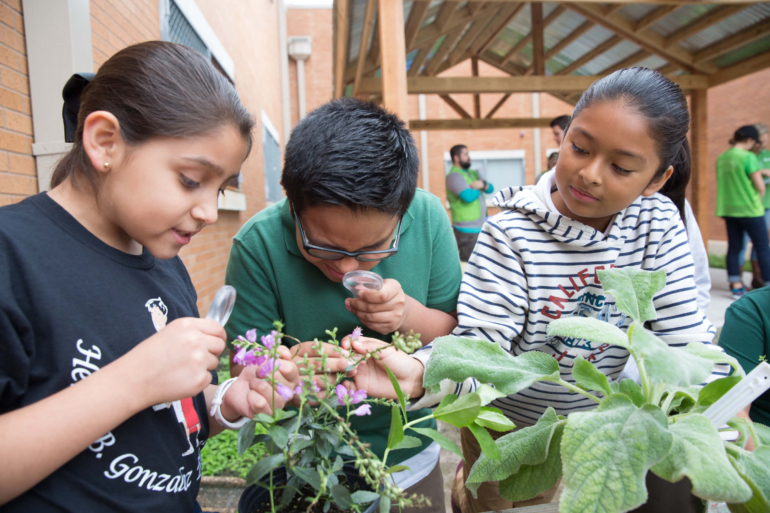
[745, 133]
[664, 105]
[562, 121]
[456, 150]
[154, 89]
[351, 153]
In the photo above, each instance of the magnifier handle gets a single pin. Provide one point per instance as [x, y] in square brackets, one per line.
[222, 305]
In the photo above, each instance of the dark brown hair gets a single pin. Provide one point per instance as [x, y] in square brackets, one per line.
[156, 89]
[664, 106]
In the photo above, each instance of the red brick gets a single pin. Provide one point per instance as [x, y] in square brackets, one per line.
[10, 37]
[7, 15]
[18, 122]
[5, 200]
[16, 184]
[15, 81]
[14, 4]
[18, 23]
[15, 142]
[22, 164]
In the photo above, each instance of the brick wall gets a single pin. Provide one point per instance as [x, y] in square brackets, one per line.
[116, 24]
[18, 176]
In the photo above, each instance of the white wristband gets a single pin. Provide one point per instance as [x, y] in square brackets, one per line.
[216, 404]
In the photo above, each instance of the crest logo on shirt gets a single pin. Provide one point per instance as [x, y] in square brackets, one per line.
[184, 409]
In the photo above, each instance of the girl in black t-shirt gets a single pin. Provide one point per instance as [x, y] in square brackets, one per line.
[90, 281]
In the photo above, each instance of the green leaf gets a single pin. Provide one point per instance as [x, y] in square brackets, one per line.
[488, 394]
[338, 464]
[633, 290]
[531, 480]
[396, 468]
[279, 435]
[265, 465]
[364, 497]
[632, 389]
[409, 442]
[246, 437]
[384, 504]
[264, 419]
[711, 352]
[759, 502]
[588, 328]
[396, 427]
[607, 452]
[289, 492]
[528, 446]
[763, 432]
[461, 412]
[300, 444]
[664, 364]
[342, 497]
[756, 465]
[309, 475]
[714, 391]
[281, 415]
[494, 420]
[683, 398]
[447, 400]
[486, 442]
[399, 393]
[440, 439]
[589, 377]
[699, 454]
[345, 450]
[457, 359]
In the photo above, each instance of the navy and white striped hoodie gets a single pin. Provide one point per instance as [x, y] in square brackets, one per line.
[532, 265]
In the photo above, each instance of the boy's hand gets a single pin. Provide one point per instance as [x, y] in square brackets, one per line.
[373, 377]
[383, 311]
[175, 363]
[250, 395]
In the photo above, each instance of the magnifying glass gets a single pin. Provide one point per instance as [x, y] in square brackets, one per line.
[366, 279]
[222, 306]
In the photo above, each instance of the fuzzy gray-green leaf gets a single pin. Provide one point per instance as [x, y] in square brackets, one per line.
[632, 390]
[665, 364]
[710, 352]
[528, 446]
[607, 452]
[495, 420]
[460, 413]
[589, 377]
[487, 394]
[531, 480]
[699, 454]
[633, 290]
[588, 328]
[457, 359]
[756, 478]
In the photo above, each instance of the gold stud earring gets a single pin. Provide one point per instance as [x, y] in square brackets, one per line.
[106, 165]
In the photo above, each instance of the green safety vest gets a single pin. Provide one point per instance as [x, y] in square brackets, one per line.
[461, 211]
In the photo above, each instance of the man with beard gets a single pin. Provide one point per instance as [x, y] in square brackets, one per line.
[465, 190]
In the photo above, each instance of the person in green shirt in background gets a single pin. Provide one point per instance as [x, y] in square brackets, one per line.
[763, 155]
[465, 190]
[740, 191]
[352, 203]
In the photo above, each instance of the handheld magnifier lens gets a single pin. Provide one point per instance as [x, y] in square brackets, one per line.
[222, 306]
[367, 279]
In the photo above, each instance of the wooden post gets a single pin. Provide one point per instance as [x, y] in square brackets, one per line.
[700, 164]
[538, 49]
[476, 97]
[340, 45]
[393, 48]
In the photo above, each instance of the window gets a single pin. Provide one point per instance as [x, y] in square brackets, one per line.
[272, 152]
[500, 168]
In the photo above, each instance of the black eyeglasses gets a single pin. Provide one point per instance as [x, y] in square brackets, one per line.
[338, 254]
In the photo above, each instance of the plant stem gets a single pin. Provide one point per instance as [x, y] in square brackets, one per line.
[417, 421]
[577, 389]
[735, 449]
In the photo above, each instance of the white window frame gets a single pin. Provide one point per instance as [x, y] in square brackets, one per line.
[492, 155]
[268, 125]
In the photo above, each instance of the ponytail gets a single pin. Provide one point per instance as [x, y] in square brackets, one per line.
[676, 187]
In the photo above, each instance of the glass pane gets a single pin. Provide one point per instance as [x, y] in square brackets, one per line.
[272, 150]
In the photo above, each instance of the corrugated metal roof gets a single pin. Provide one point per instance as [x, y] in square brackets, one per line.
[563, 26]
[614, 55]
[679, 18]
[727, 27]
[652, 62]
[582, 45]
[636, 12]
[739, 54]
[433, 10]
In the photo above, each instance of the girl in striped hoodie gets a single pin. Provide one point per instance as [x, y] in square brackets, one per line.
[616, 199]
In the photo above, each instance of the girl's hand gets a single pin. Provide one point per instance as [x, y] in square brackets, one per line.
[250, 395]
[373, 377]
[383, 311]
[176, 362]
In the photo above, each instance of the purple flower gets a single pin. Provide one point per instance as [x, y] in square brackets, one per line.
[298, 390]
[260, 360]
[301, 387]
[269, 340]
[356, 333]
[251, 335]
[364, 409]
[341, 392]
[244, 357]
[270, 365]
[284, 391]
[358, 396]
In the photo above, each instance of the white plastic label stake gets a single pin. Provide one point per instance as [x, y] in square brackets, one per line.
[222, 306]
[740, 396]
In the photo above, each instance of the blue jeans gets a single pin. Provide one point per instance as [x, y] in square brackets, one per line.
[756, 227]
[741, 256]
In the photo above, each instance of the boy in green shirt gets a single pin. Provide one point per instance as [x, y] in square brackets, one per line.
[740, 191]
[350, 175]
[763, 155]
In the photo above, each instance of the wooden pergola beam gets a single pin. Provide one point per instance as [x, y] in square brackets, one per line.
[445, 14]
[467, 40]
[418, 61]
[657, 2]
[443, 51]
[538, 49]
[648, 40]
[526, 39]
[428, 35]
[741, 69]
[709, 19]
[341, 28]
[455, 106]
[700, 178]
[613, 8]
[627, 62]
[476, 97]
[506, 16]
[591, 55]
[363, 48]
[497, 106]
[565, 42]
[416, 17]
[478, 124]
[744, 37]
[393, 84]
[654, 16]
[513, 84]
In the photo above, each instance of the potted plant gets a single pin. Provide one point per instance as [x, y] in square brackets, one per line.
[315, 461]
[604, 455]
